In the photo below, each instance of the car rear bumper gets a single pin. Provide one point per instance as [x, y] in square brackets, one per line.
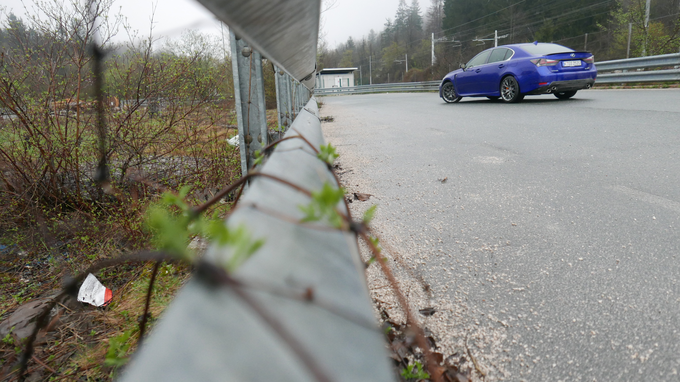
[565, 86]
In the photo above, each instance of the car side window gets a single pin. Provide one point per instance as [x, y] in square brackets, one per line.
[479, 59]
[497, 55]
[508, 54]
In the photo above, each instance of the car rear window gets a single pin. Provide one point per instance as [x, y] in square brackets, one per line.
[543, 49]
[498, 55]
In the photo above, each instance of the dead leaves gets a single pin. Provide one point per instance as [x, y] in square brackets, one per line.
[427, 311]
[403, 351]
[362, 197]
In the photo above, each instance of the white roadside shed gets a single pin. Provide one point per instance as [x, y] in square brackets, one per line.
[335, 78]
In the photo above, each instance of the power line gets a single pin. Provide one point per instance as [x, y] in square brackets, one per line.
[483, 17]
[543, 20]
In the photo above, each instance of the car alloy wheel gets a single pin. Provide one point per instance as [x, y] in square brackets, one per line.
[449, 93]
[510, 90]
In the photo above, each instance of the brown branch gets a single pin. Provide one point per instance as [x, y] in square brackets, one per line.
[224, 192]
[219, 276]
[51, 370]
[145, 316]
[309, 296]
[410, 319]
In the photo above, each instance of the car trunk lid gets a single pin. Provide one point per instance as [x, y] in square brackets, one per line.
[571, 61]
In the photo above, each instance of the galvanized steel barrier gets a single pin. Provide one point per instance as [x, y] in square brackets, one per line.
[622, 75]
[210, 333]
[381, 88]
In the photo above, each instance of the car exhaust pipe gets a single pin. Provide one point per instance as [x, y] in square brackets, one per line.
[589, 86]
[553, 88]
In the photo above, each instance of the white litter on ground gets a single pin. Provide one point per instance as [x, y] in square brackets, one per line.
[233, 141]
[94, 293]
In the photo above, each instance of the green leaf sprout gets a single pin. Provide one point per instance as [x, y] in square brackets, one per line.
[323, 206]
[327, 154]
[368, 215]
[415, 371]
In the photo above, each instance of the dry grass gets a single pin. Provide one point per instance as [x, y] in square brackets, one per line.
[47, 244]
[76, 347]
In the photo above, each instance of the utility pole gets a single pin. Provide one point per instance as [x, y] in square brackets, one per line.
[432, 48]
[585, 44]
[630, 33]
[361, 77]
[442, 39]
[370, 72]
[647, 8]
[404, 60]
[494, 39]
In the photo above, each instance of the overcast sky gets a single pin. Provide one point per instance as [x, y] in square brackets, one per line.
[347, 17]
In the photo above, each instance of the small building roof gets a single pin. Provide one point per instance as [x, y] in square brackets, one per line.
[337, 70]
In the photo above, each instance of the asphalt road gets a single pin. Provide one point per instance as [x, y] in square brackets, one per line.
[557, 223]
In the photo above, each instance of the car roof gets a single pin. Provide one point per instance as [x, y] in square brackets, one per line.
[530, 44]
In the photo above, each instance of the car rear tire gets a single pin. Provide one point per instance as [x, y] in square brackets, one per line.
[510, 90]
[565, 95]
[449, 93]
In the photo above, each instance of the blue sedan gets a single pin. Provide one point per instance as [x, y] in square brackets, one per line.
[511, 72]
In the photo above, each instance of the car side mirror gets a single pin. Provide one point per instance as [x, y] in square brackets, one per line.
[462, 66]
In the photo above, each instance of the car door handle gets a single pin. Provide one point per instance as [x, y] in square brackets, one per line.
[478, 70]
[501, 66]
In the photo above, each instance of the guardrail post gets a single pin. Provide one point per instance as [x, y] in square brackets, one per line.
[291, 100]
[249, 97]
[282, 100]
[299, 97]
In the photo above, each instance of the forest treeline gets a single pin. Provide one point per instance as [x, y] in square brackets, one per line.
[462, 28]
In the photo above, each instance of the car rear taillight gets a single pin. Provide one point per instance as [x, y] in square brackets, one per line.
[589, 60]
[544, 62]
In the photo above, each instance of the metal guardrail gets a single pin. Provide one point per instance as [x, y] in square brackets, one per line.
[666, 60]
[381, 88]
[286, 32]
[633, 77]
[639, 62]
[622, 75]
[213, 333]
[210, 334]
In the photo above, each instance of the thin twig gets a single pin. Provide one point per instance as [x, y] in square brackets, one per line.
[287, 219]
[474, 360]
[51, 370]
[224, 192]
[145, 317]
[410, 319]
[216, 275]
[308, 296]
[269, 146]
[305, 139]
